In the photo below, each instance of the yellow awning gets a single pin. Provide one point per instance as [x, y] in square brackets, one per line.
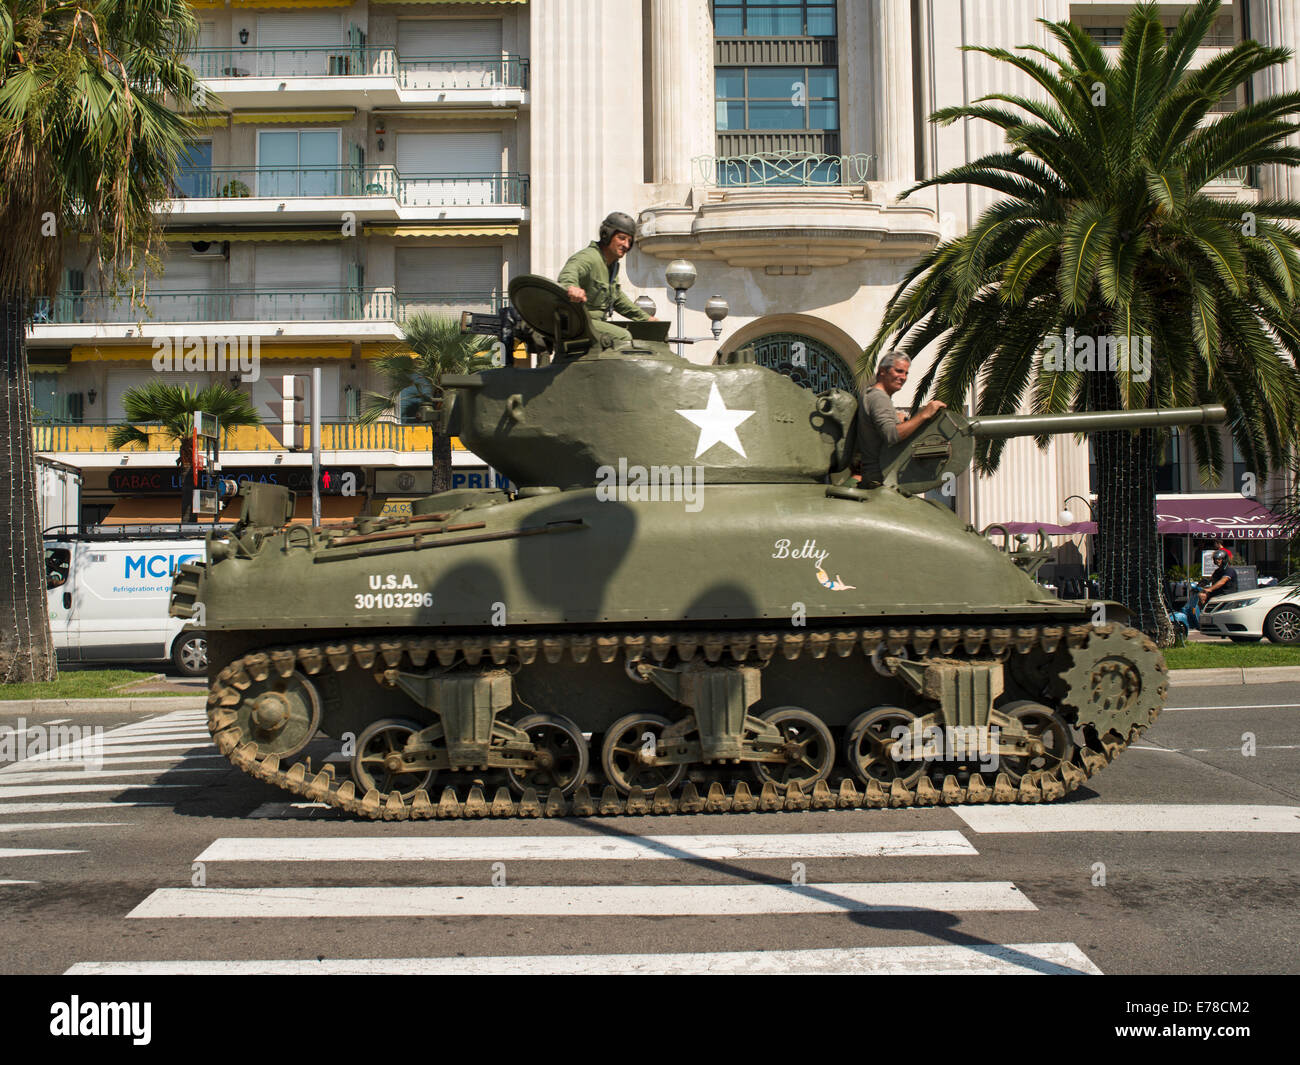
[210, 235]
[442, 231]
[291, 3]
[154, 510]
[245, 117]
[209, 121]
[129, 352]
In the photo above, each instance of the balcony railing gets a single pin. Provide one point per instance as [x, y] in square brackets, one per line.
[238, 182]
[448, 304]
[462, 190]
[784, 169]
[336, 435]
[413, 72]
[418, 190]
[246, 305]
[463, 72]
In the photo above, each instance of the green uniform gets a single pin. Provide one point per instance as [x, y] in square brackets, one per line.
[588, 270]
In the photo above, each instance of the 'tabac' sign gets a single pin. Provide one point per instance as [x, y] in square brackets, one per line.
[155, 565]
[336, 480]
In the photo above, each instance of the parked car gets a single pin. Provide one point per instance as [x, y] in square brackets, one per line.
[107, 598]
[1273, 611]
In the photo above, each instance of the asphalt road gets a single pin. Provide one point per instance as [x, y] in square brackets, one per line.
[1182, 857]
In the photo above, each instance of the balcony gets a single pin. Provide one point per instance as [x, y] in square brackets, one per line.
[253, 194]
[786, 212]
[365, 78]
[338, 313]
[336, 435]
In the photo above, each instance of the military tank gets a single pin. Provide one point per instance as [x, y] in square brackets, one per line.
[684, 605]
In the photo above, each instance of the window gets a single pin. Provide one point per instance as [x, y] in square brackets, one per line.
[1168, 473]
[194, 174]
[785, 98]
[298, 162]
[774, 18]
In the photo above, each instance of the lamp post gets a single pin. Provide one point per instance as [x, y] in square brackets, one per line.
[1067, 518]
[681, 276]
[646, 304]
[717, 309]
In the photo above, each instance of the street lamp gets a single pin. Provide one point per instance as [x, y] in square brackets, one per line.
[717, 309]
[681, 276]
[1067, 518]
[646, 304]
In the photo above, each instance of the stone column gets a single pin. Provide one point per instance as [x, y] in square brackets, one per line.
[1276, 24]
[681, 87]
[892, 104]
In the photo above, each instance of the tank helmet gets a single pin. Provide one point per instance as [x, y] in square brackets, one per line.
[1220, 556]
[617, 222]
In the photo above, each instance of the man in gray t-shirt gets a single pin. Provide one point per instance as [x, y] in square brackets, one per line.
[879, 423]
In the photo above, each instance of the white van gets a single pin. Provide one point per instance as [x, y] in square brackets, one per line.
[107, 597]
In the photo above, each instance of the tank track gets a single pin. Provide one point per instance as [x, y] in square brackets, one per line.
[1095, 749]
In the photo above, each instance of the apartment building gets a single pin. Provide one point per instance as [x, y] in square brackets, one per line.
[373, 158]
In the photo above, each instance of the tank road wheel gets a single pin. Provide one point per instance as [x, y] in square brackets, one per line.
[870, 742]
[627, 740]
[1117, 680]
[562, 757]
[377, 761]
[810, 749]
[280, 714]
[1047, 728]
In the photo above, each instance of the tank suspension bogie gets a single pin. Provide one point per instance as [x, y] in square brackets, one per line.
[1109, 683]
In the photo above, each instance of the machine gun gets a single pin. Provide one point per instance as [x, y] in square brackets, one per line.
[505, 324]
[946, 444]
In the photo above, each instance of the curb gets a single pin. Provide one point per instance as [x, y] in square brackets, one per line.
[1235, 675]
[118, 705]
[167, 703]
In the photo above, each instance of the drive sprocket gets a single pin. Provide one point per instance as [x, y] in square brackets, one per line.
[1117, 681]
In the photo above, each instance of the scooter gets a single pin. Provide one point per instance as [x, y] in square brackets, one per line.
[1188, 616]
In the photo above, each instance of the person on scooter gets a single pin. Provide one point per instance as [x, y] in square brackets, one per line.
[1223, 581]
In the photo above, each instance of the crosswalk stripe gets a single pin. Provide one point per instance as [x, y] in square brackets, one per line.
[1101, 817]
[130, 759]
[8, 883]
[29, 852]
[89, 774]
[76, 754]
[29, 791]
[995, 959]
[585, 848]
[43, 826]
[62, 807]
[300, 811]
[581, 901]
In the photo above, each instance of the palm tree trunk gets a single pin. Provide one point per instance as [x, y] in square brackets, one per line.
[26, 647]
[1128, 548]
[441, 454]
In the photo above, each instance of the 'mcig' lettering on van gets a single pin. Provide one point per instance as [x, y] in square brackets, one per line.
[146, 563]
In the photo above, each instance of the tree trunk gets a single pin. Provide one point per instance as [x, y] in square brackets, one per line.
[26, 647]
[441, 453]
[1128, 547]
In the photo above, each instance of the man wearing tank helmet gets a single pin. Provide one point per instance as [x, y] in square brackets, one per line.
[1223, 581]
[591, 277]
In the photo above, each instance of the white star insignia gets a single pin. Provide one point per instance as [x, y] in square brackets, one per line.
[717, 424]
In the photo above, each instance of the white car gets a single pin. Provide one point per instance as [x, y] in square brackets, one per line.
[1273, 612]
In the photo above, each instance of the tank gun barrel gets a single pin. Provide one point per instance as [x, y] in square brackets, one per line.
[1002, 426]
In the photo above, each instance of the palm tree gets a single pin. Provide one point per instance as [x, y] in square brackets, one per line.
[87, 144]
[1105, 229]
[158, 408]
[436, 347]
